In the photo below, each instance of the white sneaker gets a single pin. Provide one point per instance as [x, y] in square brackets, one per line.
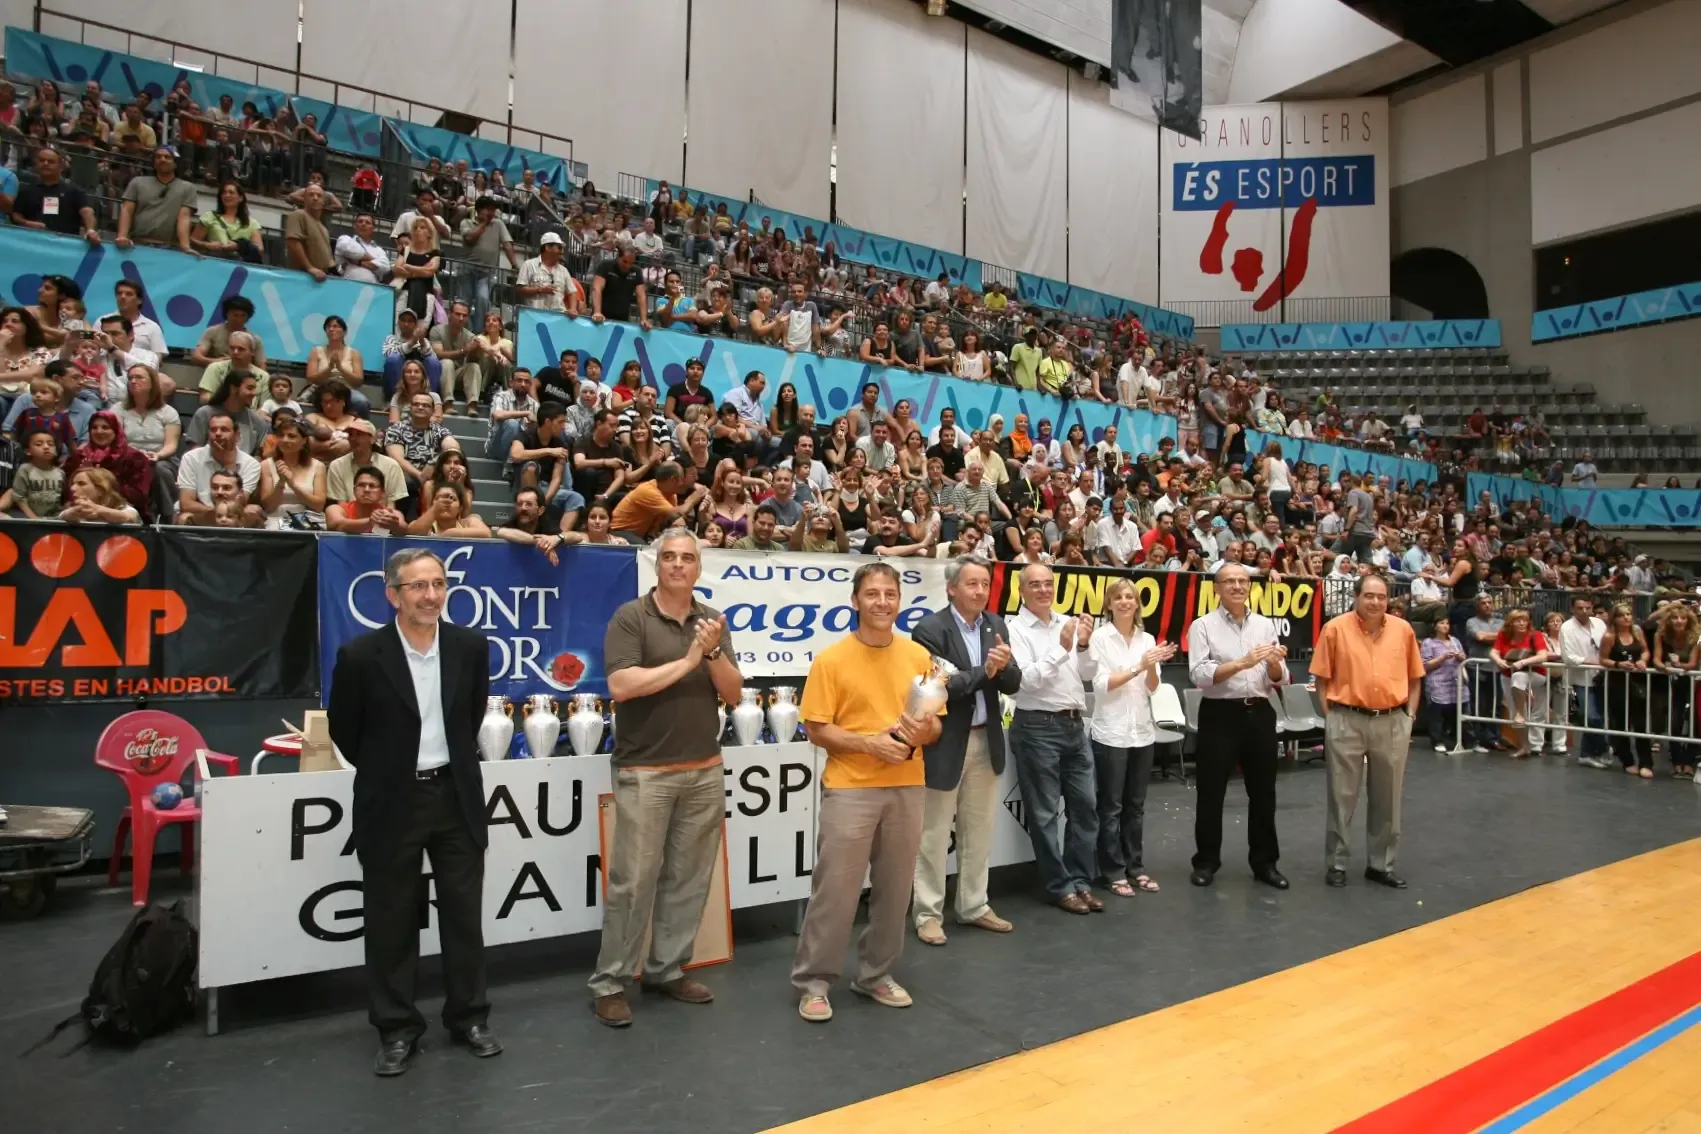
[1441, 748]
[1479, 748]
[888, 992]
[814, 1008]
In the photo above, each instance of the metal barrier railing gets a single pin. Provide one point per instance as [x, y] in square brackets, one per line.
[1610, 705]
[1319, 309]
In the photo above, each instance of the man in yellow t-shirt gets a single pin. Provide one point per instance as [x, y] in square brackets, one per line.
[873, 792]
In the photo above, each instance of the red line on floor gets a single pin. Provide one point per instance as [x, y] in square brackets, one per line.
[1482, 1091]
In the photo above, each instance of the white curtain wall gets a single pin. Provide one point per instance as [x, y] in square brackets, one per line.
[260, 30]
[610, 76]
[901, 122]
[1017, 205]
[451, 56]
[1113, 196]
[766, 127]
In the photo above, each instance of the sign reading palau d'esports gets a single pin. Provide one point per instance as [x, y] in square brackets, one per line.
[92, 613]
[542, 874]
[1276, 201]
[545, 621]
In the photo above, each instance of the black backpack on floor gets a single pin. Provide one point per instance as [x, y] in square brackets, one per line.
[145, 984]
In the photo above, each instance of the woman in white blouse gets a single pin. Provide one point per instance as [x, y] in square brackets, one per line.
[1129, 661]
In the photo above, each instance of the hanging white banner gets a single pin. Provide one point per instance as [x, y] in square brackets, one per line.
[1278, 201]
[783, 608]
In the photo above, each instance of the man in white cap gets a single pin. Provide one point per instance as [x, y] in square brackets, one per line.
[544, 280]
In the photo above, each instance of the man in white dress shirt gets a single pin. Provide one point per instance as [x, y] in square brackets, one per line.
[1580, 646]
[1237, 664]
[1048, 737]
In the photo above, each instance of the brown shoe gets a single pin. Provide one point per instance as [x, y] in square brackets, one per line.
[1073, 903]
[613, 1010]
[1092, 900]
[930, 932]
[991, 921]
[684, 990]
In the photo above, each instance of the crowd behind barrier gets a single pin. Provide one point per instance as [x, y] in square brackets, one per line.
[347, 130]
[833, 385]
[895, 255]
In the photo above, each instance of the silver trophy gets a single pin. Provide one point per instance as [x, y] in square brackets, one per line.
[782, 714]
[927, 695]
[585, 724]
[496, 730]
[543, 727]
[747, 717]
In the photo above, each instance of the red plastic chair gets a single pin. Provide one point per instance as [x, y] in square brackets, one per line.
[144, 749]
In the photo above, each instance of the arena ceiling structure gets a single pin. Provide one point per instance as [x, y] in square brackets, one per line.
[1258, 50]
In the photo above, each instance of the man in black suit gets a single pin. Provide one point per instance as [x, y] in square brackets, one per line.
[964, 764]
[406, 701]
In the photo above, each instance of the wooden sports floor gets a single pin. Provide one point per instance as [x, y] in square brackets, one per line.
[1568, 1007]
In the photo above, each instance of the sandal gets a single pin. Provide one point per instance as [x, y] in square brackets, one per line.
[1144, 882]
[1121, 888]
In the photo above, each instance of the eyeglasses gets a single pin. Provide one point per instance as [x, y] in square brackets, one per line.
[425, 586]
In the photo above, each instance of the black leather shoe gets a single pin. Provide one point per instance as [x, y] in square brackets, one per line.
[393, 1058]
[1201, 876]
[1385, 878]
[1270, 876]
[480, 1039]
[1335, 876]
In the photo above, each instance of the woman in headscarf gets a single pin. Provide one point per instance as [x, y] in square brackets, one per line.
[107, 449]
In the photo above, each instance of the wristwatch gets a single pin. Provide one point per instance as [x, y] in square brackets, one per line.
[714, 653]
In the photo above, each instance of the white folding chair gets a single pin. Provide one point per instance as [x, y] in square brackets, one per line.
[1299, 719]
[1170, 722]
[1190, 698]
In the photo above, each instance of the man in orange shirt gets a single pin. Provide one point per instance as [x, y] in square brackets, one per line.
[1372, 676]
[873, 794]
[653, 505]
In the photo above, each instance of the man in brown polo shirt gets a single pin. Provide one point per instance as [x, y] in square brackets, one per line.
[1371, 674]
[670, 662]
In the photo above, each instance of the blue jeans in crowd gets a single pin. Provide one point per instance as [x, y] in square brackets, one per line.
[1485, 702]
[503, 434]
[1054, 768]
[1587, 709]
[393, 373]
[565, 499]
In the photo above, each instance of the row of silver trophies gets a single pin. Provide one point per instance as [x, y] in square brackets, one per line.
[590, 727]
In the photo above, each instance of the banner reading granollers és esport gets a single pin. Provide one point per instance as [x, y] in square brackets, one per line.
[92, 613]
[1278, 201]
[1171, 600]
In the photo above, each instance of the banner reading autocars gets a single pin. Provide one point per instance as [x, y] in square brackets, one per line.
[94, 613]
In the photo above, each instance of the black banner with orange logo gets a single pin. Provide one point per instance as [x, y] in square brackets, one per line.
[95, 613]
[1171, 600]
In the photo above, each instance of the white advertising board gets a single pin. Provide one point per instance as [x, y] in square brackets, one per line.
[783, 608]
[278, 888]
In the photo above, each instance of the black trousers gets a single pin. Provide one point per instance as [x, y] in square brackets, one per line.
[396, 907]
[1230, 733]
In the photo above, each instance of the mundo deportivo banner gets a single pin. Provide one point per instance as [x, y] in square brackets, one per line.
[1278, 201]
[545, 622]
[96, 613]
